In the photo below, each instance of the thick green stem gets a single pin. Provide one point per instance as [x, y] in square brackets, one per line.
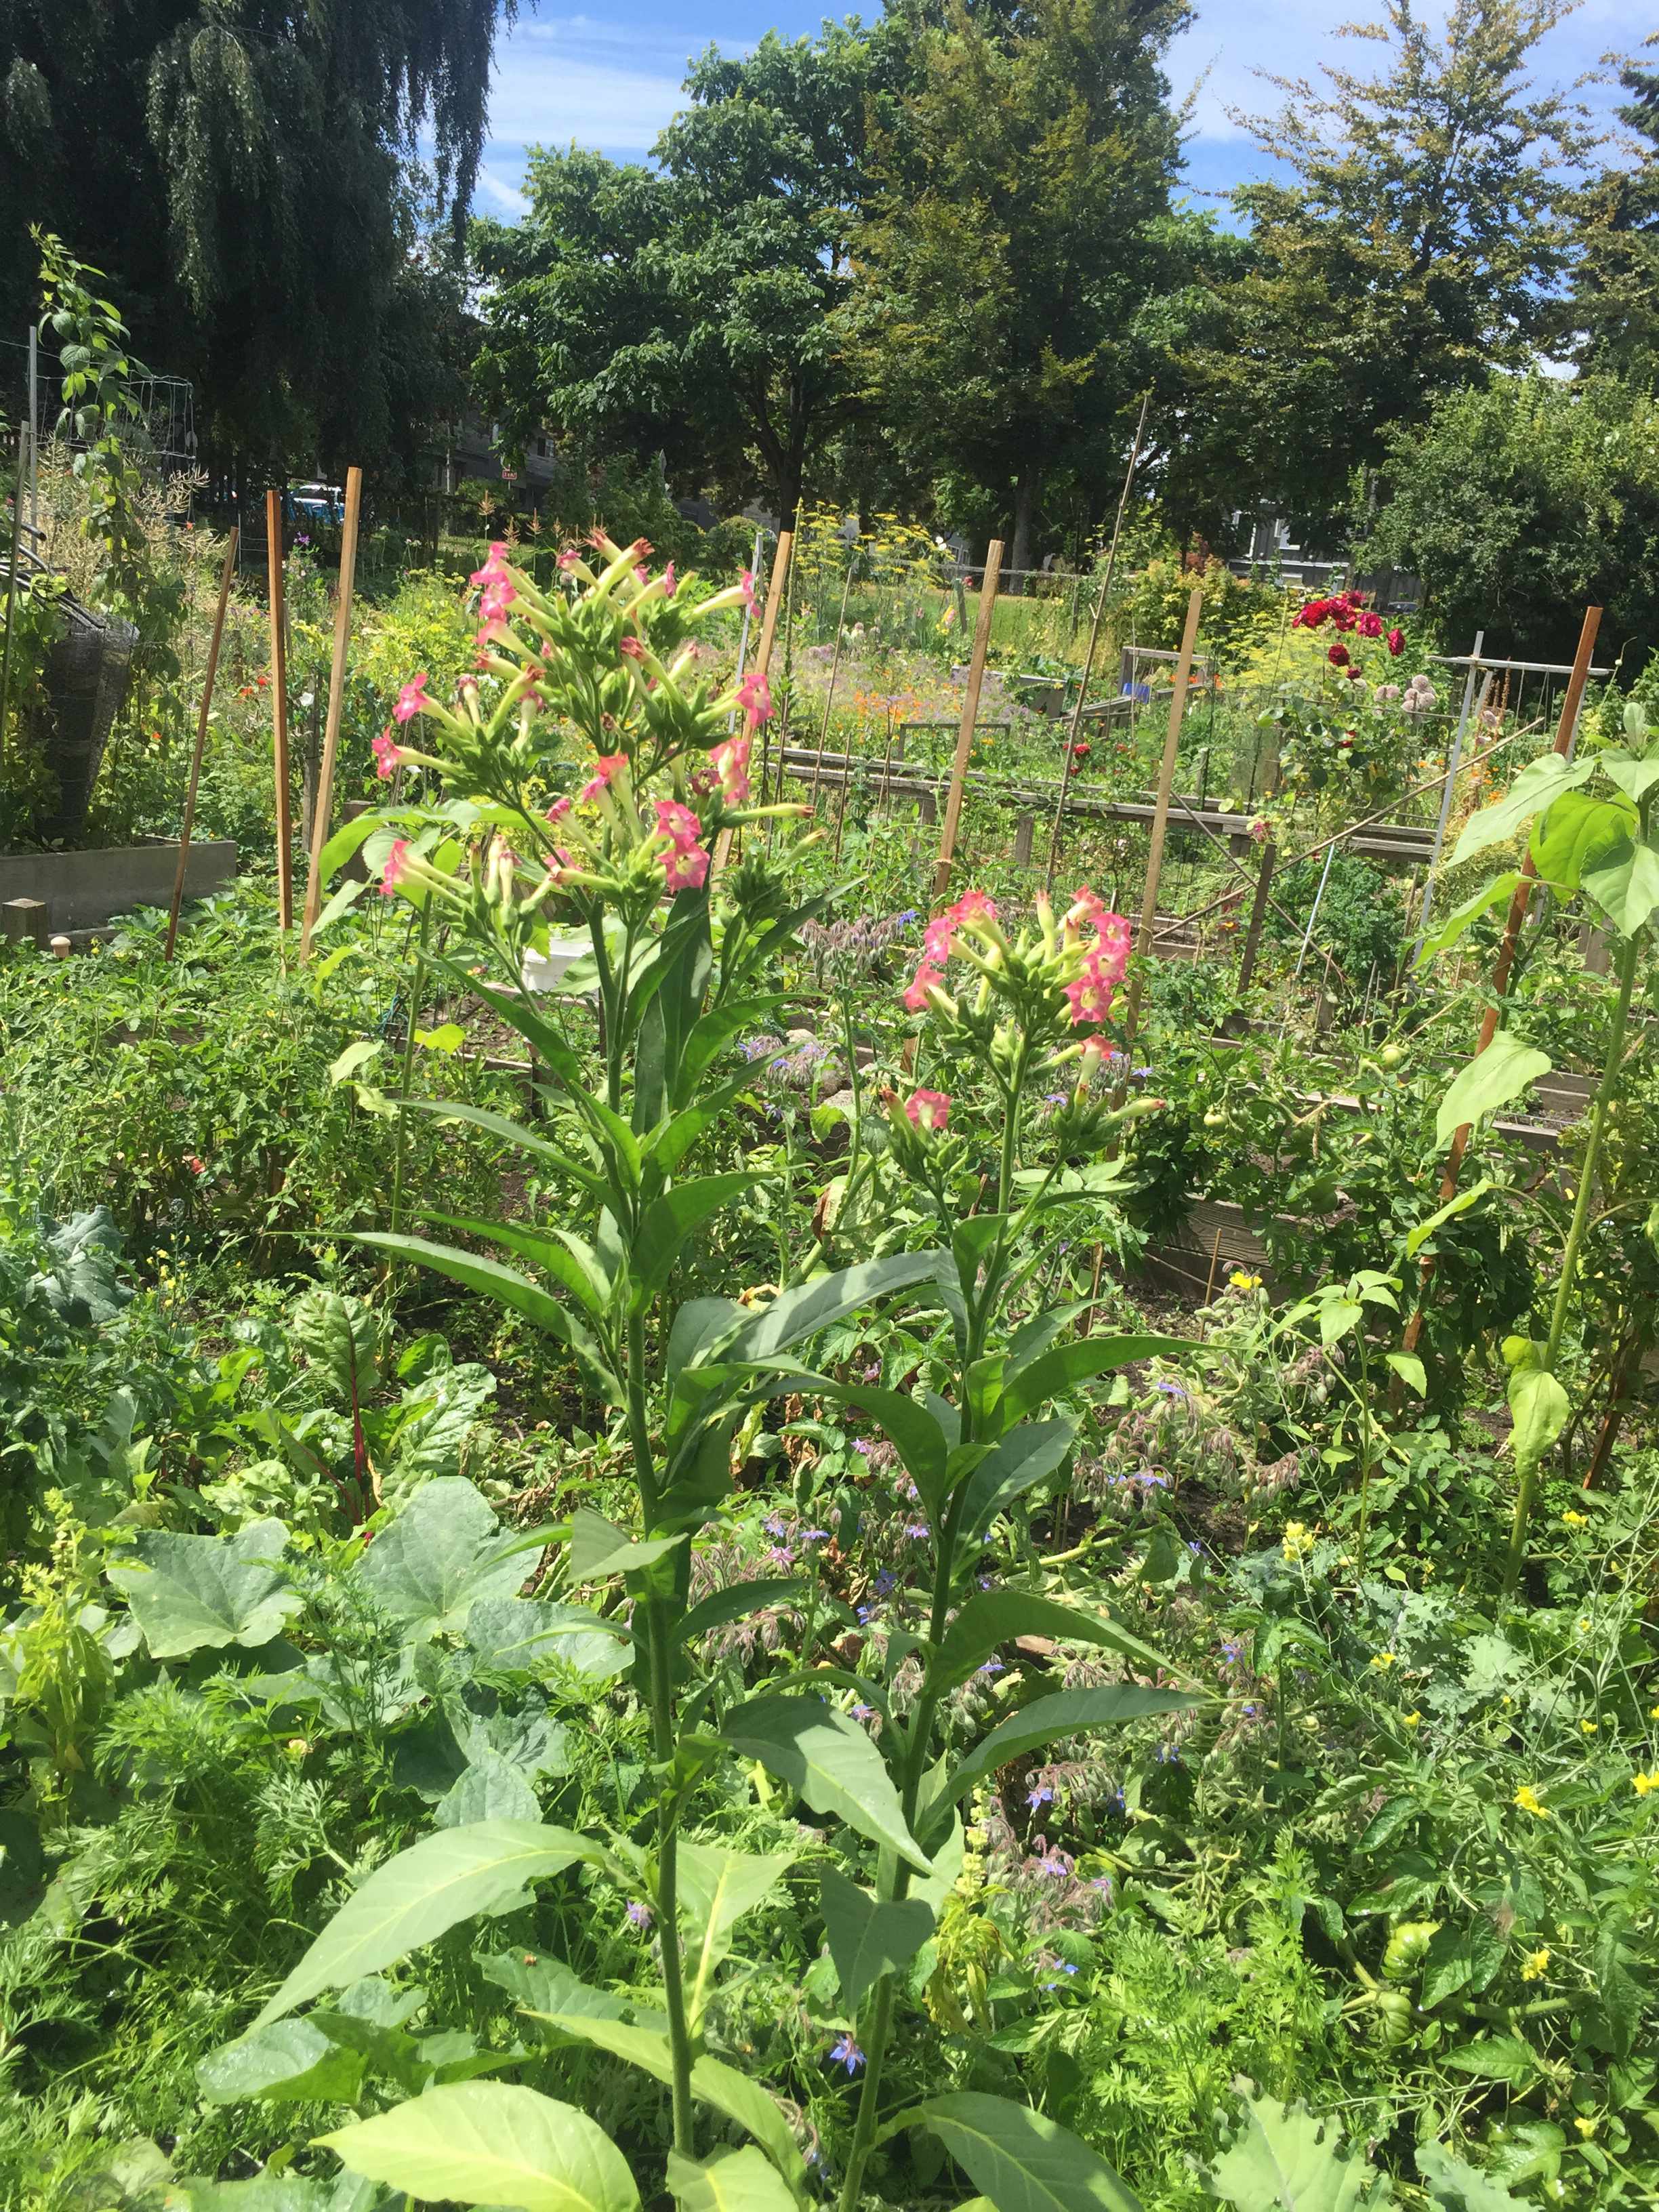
[653, 1619]
[864, 2126]
[1630, 961]
[407, 1077]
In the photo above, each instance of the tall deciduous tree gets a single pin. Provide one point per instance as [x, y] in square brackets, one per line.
[1413, 248]
[1018, 229]
[1613, 318]
[689, 308]
[239, 169]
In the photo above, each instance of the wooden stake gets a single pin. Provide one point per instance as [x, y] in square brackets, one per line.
[337, 674]
[1258, 916]
[1161, 811]
[279, 711]
[1521, 899]
[225, 575]
[830, 695]
[988, 599]
[781, 568]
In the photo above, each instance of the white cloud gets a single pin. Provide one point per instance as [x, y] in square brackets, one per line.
[497, 188]
[556, 97]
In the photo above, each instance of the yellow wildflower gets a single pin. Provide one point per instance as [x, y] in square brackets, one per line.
[1528, 1799]
[1413, 1720]
[1298, 1540]
[1239, 1281]
[1575, 1520]
[1383, 1659]
[1587, 2124]
[1641, 1783]
[1590, 1728]
[1535, 1964]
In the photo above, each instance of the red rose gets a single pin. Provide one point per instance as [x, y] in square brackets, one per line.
[1370, 625]
[1395, 642]
[1354, 674]
[1344, 617]
[1337, 655]
[1312, 615]
[1081, 752]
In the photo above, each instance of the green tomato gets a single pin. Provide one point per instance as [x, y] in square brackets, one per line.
[1392, 1054]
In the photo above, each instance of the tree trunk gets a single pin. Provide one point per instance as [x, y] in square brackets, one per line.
[788, 489]
[1025, 498]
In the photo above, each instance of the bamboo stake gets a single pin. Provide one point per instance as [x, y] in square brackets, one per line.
[320, 812]
[279, 711]
[1161, 811]
[988, 599]
[225, 575]
[1089, 656]
[11, 595]
[781, 566]
[1522, 898]
[835, 670]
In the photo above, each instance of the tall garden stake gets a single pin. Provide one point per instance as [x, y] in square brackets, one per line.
[1067, 757]
[11, 596]
[225, 575]
[835, 670]
[279, 711]
[988, 599]
[1519, 902]
[323, 802]
[1183, 676]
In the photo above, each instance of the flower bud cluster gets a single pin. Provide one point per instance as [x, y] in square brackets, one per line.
[1060, 975]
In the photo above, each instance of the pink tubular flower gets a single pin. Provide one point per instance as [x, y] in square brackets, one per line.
[634, 648]
[670, 585]
[685, 868]
[677, 823]
[746, 585]
[559, 809]
[1085, 908]
[496, 597]
[411, 700]
[606, 769]
[730, 764]
[396, 863]
[388, 755]
[976, 906]
[1090, 994]
[568, 559]
[926, 978]
[1370, 625]
[755, 699]
[927, 1109]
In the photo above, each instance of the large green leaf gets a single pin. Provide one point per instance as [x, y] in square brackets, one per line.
[713, 2082]
[869, 1938]
[909, 1426]
[727, 2181]
[737, 1602]
[1540, 783]
[599, 1549]
[415, 1897]
[717, 1887]
[993, 1618]
[1634, 777]
[1490, 895]
[829, 1760]
[1418, 1235]
[1459, 2186]
[571, 1264]
[1539, 1407]
[1284, 2158]
[490, 2143]
[529, 1636]
[504, 1286]
[1068, 1364]
[1576, 834]
[1020, 2160]
[813, 1305]
[289, 2061]
[444, 1552]
[201, 1592]
[1028, 1454]
[669, 1220]
[507, 1131]
[1068, 1712]
[1627, 890]
[1492, 1078]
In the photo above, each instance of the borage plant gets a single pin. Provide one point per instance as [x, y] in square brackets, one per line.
[588, 774]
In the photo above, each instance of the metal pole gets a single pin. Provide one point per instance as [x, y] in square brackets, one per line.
[34, 426]
[1089, 656]
[1446, 793]
[1306, 935]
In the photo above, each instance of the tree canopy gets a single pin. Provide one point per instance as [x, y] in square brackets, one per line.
[242, 175]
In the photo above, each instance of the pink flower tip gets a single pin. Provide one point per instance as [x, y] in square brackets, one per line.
[412, 699]
[388, 755]
[396, 865]
[927, 1109]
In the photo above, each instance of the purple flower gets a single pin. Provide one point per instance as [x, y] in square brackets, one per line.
[846, 2053]
[917, 1531]
[1230, 1654]
[782, 1556]
[774, 1524]
[1170, 1389]
[814, 1536]
[885, 1582]
[990, 1667]
[1042, 1795]
[864, 1713]
[640, 1915]
[863, 1446]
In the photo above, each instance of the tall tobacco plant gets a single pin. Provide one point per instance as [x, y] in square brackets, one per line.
[587, 772]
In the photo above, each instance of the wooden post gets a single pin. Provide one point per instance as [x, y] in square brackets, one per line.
[279, 711]
[1161, 811]
[988, 599]
[1519, 902]
[321, 805]
[1258, 916]
[830, 695]
[11, 593]
[225, 575]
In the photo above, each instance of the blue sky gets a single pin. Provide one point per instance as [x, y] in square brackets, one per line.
[611, 80]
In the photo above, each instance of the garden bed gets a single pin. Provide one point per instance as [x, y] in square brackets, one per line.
[86, 891]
